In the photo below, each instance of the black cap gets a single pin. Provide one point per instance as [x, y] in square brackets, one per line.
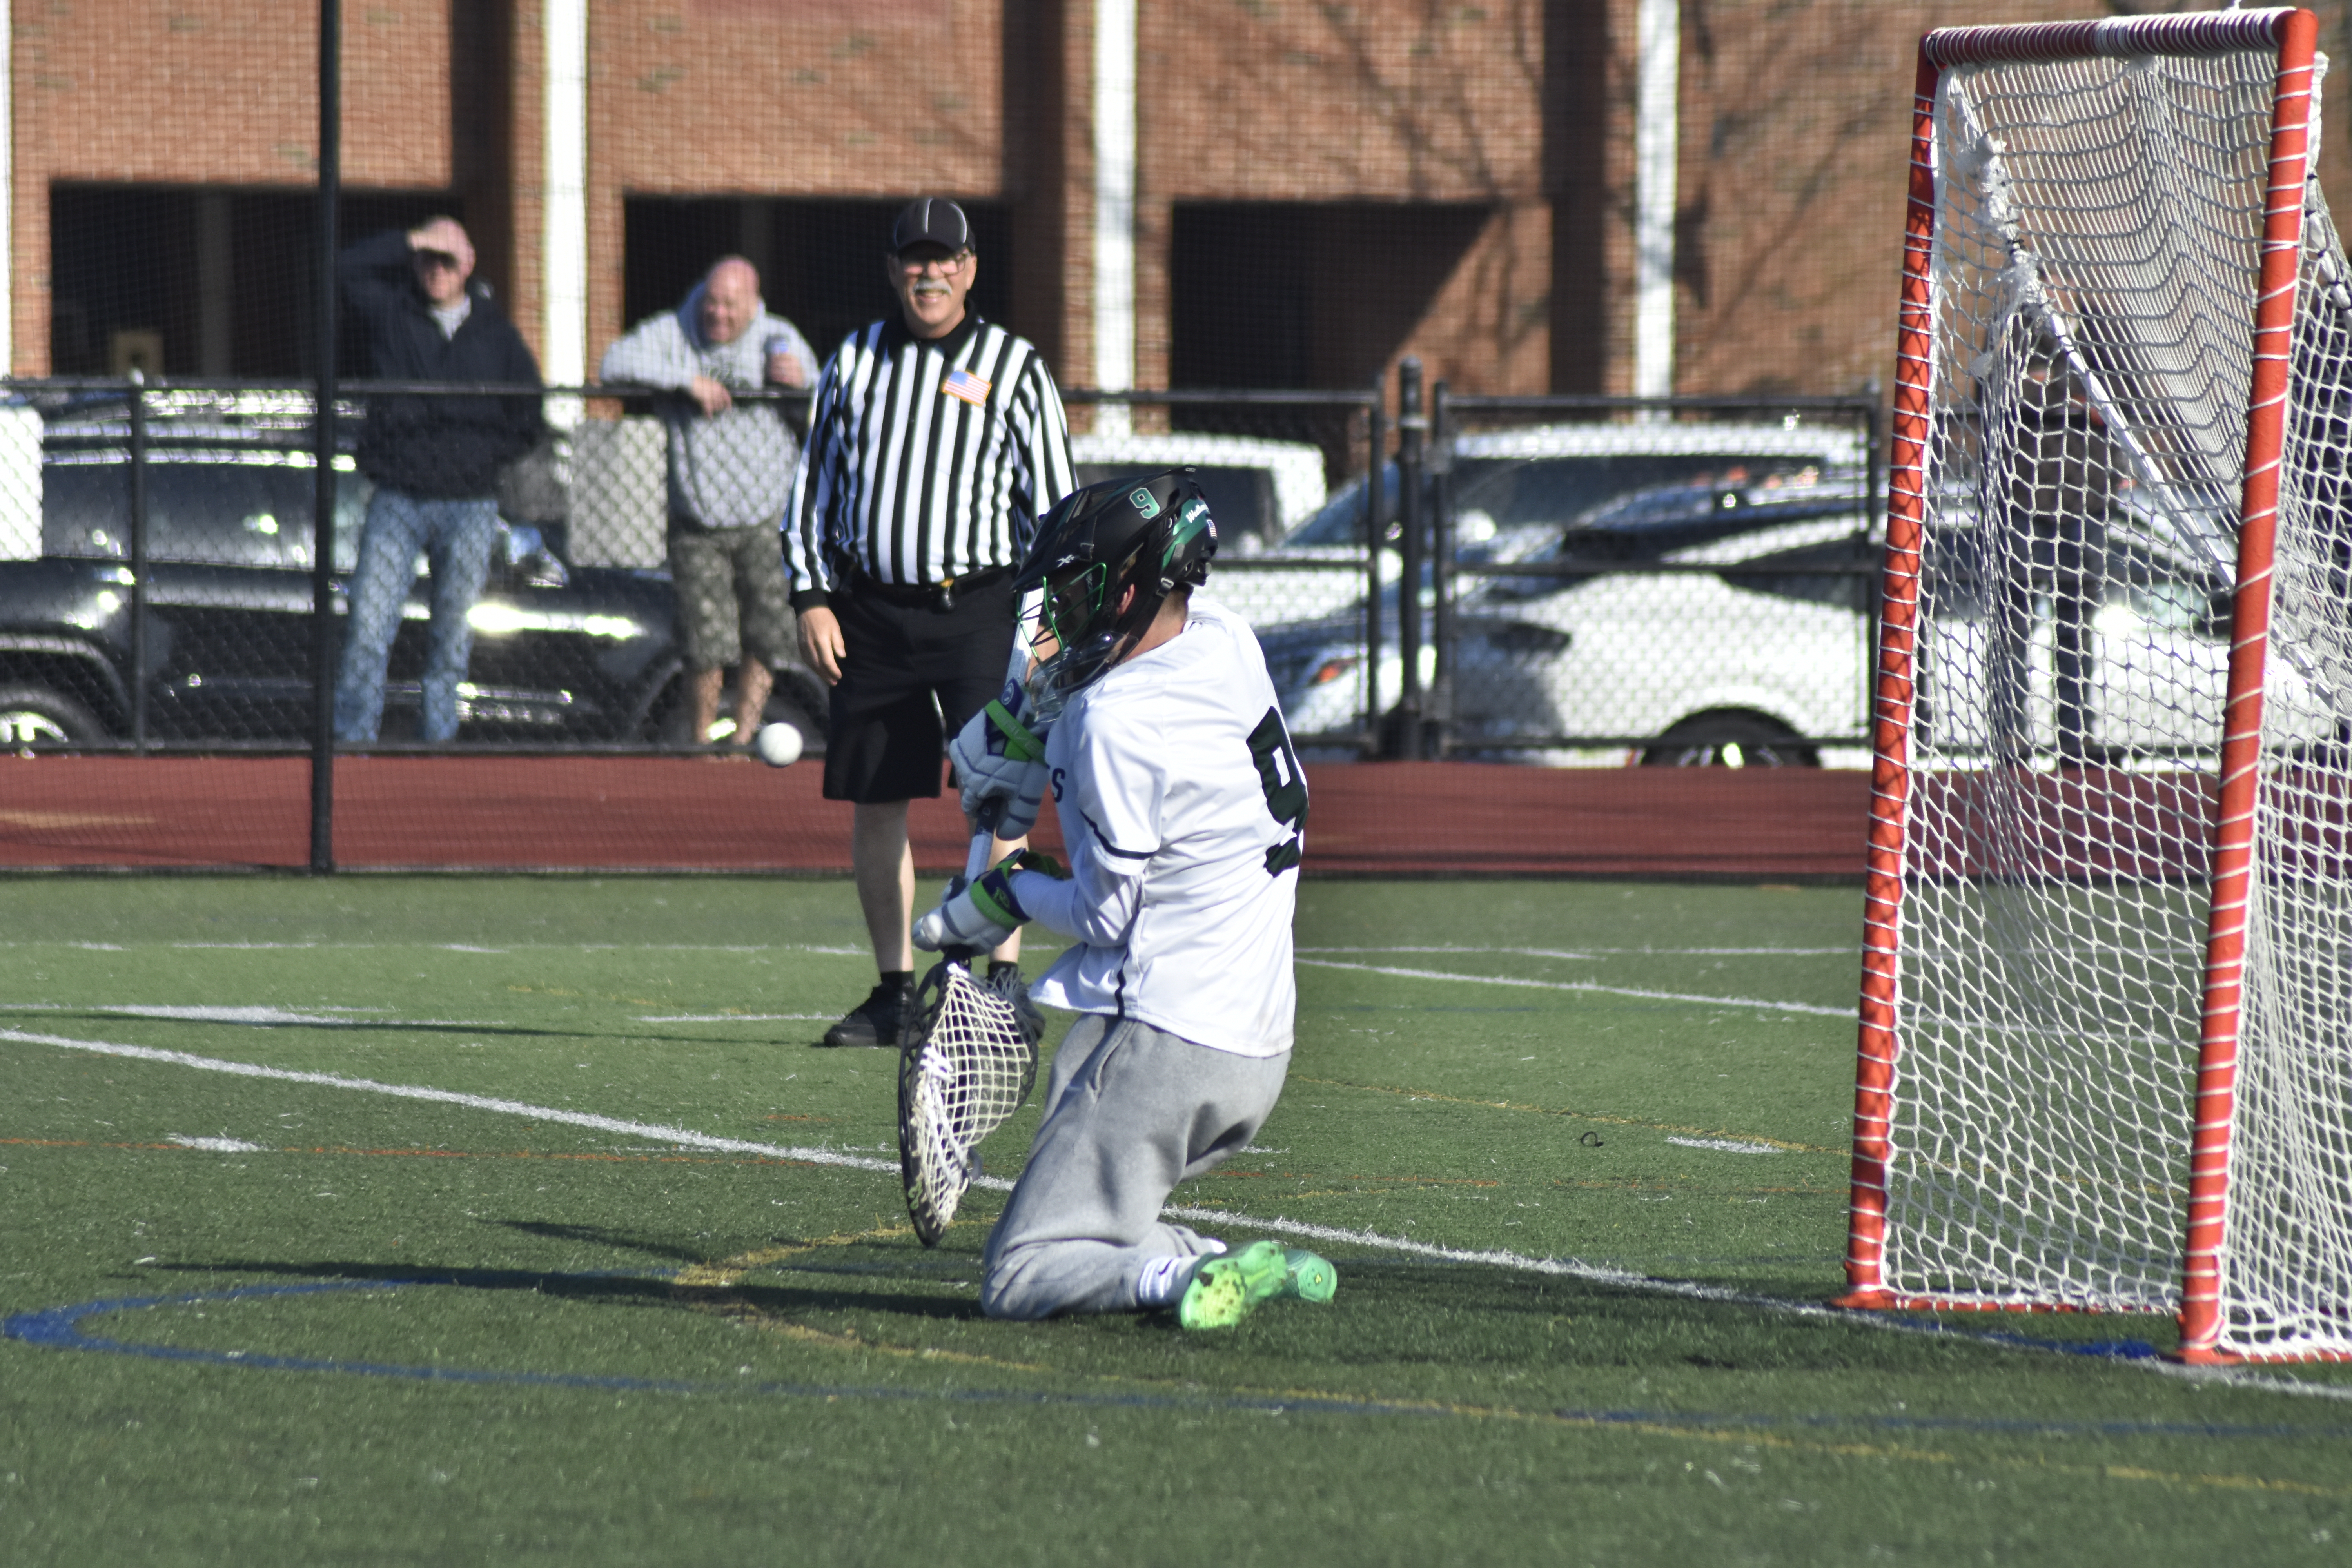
[931, 220]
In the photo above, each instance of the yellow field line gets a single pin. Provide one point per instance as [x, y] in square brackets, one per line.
[711, 1288]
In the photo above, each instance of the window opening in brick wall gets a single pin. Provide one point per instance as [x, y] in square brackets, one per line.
[192, 280]
[820, 260]
[1296, 294]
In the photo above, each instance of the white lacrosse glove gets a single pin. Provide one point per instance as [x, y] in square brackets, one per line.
[998, 756]
[982, 915]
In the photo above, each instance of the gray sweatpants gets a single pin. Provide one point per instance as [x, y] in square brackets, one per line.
[1130, 1112]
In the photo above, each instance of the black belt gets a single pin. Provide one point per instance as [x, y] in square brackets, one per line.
[939, 596]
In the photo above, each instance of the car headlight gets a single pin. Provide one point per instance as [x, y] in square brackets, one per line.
[1332, 669]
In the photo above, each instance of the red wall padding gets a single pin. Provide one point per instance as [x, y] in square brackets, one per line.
[711, 814]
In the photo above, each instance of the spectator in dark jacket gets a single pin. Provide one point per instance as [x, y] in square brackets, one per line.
[435, 460]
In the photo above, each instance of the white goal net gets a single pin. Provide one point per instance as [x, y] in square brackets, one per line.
[2106, 1056]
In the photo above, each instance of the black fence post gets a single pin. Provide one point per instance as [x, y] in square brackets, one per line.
[1375, 528]
[1402, 737]
[138, 670]
[1437, 734]
[323, 639]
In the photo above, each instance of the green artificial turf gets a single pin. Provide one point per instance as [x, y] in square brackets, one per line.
[535, 1342]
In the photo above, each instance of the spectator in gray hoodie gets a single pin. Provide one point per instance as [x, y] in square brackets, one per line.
[731, 474]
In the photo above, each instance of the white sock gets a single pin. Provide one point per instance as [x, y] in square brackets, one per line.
[1164, 1282]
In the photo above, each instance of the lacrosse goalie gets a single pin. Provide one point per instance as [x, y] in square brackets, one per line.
[1150, 717]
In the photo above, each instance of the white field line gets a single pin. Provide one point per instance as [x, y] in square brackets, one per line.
[1591, 952]
[1728, 1145]
[1585, 955]
[215, 1146]
[731, 1017]
[1692, 1290]
[655, 1133]
[834, 949]
[1517, 1262]
[250, 1015]
[1805, 1007]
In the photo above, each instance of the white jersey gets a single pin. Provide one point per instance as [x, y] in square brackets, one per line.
[1181, 800]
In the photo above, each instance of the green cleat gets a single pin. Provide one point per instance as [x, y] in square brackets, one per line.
[1225, 1289]
[1308, 1278]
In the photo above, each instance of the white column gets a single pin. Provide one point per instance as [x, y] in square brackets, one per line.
[564, 361]
[7, 192]
[1655, 142]
[1114, 125]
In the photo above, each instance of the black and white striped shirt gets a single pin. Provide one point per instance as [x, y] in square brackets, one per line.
[927, 460]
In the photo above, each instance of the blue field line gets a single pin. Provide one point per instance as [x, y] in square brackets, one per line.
[60, 1328]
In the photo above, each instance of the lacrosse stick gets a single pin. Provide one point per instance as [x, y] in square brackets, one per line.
[967, 1065]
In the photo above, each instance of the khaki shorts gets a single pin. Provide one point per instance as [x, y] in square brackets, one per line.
[731, 597]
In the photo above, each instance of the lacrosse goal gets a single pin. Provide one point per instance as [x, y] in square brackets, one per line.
[2105, 1056]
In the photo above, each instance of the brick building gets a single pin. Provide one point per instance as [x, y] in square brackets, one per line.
[1313, 189]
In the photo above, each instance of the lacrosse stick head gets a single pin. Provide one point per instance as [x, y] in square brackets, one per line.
[967, 1065]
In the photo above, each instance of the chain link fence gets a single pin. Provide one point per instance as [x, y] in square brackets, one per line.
[1602, 581]
[157, 542]
[1597, 581]
[157, 546]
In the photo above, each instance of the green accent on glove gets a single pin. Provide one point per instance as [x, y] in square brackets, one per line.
[1019, 743]
[1034, 861]
[993, 909]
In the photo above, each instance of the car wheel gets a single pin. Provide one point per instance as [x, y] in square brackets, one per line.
[1729, 740]
[36, 716]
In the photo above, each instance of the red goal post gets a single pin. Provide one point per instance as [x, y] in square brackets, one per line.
[2053, 825]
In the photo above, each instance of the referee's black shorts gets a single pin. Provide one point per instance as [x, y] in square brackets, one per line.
[911, 668]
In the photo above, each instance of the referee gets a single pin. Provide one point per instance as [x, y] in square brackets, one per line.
[935, 441]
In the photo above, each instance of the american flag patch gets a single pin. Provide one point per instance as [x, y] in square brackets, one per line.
[964, 384]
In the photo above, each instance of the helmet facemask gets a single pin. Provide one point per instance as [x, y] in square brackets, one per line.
[1075, 624]
[1079, 634]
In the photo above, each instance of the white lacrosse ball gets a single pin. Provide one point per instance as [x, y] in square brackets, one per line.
[780, 745]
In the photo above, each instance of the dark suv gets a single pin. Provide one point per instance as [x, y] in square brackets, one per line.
[561, 655]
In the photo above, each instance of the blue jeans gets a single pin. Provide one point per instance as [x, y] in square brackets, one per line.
[456, 536]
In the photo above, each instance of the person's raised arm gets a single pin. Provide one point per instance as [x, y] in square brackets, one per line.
[374, 273]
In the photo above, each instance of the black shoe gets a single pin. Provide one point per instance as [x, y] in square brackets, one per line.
[880, 1020]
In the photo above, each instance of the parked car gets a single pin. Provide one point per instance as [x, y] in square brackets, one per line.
[1686, 666]
[1756, 665]
[560, 654]
[1511, 493]
[1256, 490]
[2156, 630]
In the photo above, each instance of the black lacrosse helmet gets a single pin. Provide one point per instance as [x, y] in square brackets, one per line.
[1153, 533]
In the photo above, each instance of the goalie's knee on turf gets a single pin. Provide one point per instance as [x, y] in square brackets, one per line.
[1046, 1278]
[997, 1300]
[1009, 1291]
